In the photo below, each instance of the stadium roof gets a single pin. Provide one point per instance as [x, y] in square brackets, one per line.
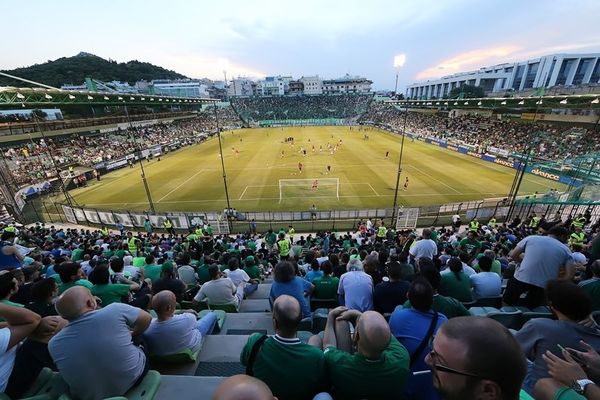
[12, 97]
[570, 101]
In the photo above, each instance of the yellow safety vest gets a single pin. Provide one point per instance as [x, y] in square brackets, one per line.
[579, 222]
[10, 228]
[492, 223]
[132, 245]
[381, 231]
[167, 224]
[577, 237]
[199, 232]
[473, 225]
[284, 247]
[104, 231]
[535, 221]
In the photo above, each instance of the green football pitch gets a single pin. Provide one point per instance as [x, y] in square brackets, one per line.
[361, 175]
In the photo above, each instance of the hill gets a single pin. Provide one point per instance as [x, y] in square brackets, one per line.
[74, 70]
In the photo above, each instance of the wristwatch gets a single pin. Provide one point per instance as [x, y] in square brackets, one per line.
[580, 385]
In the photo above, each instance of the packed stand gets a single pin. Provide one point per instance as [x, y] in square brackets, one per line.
[341, 106]
[30, 162]
[550, 141]
[403, 319]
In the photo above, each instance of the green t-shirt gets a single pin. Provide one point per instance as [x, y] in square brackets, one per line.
[111, 293]
[325, 287]
[291, 369]
[120, 253]
[251, 244]
[453, 287]
[152, 271]
[355, 377]
[271, 238]
[80, 282]
[138, 262]
[76, 255]
[253, 272]
[203, 275]
[470, 246]
[592, 287]
[446, 305]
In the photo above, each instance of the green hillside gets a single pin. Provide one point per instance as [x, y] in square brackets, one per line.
[74, 70]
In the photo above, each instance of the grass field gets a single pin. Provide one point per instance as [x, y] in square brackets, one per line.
[190, 179]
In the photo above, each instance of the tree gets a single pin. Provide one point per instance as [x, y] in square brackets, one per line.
[466, 92]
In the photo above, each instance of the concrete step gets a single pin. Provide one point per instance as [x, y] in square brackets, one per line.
[255, 305]
[223, 348]
[256, 321]
[187, 387]
[262, 292]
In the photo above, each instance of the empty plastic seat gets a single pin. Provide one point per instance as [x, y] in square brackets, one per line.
[319, 319]
[489, 302]
[483, 311]
[228, 308]
[323, 303]
[511, 320]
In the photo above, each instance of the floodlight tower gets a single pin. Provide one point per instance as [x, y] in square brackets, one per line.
[399, 61]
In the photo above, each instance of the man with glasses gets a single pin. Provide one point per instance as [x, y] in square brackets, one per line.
[476, 358]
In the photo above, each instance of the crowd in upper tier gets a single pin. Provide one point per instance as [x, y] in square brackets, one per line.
[400, 323]
[342, 106]
[549, 141]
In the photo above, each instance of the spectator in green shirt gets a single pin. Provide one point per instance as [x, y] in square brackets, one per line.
[71, 274]
[109, 292]
[292, 370]
[470, 245]
[455, 283]
[380, 366]
[151, 270]
[326, 286]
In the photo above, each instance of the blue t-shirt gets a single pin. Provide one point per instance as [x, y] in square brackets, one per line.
[410, 326]
[312, 275]
[295, 288]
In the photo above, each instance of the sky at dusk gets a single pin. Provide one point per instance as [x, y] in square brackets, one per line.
[329, 38]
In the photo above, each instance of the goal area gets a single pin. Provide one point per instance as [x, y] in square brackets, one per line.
[306, 188]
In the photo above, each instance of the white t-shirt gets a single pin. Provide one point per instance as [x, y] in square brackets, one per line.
[7, 358]
[237, 276]
[424, 248]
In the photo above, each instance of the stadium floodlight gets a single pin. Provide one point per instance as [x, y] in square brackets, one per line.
[71, 97]
[151, 98]
[445, 103]
[596, 101]
[466, 103]
[563, 101]
[143, 99]
[160, 99]
[456, 103]
[48, 96]
[106, 98]
[539, 102]
[119, 98]
[503, 103]
[132, 98]
[480, 103]
[399, 60]
[522, 102]
[20, 96]
[437, 103]
[90, 97]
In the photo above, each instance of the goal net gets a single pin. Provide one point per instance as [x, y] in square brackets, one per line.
[306, 188]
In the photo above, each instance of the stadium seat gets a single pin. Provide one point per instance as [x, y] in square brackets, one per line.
[483, 311]
[319, 319]
[221, 315]
[147, 388]
[228, 308]
[184, 356]
[43, 377]
[323, 303]
[511, 320]
[495, 302]
[52, 388]
[469, 304]
[189, 305]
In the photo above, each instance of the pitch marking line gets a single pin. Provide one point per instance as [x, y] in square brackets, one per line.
[373, 189]
[177, 188]
[437, 180]
[243, 193]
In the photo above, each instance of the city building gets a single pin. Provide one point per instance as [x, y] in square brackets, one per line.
[183, 88]
[347, 84]
[295, 88]
[544, 72]
[240, 87]
[312, 84]
[271, 86]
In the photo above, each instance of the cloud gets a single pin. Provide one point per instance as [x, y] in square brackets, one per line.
[469, 60]
[208, 66]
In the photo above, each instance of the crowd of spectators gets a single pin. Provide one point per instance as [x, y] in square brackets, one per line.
[402, 327]
[549, 141]
[342, 106]
[30, 162]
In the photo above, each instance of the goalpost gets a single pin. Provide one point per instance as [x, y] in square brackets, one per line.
[306, 188]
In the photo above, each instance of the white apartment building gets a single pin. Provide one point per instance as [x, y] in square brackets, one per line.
[240, 87]
[547, 71]
[312, 84]
[347, 84]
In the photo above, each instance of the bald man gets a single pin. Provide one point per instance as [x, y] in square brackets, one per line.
[170, 333]
[292, 369]
[94, 352]
[378, 369]
[243, 387]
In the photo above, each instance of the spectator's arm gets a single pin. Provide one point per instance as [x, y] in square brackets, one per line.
[569, 270]
[134, 286]
[516, 254]
[528, 337]
[21, 322]
[8, 250]
[329, 338]
[141, 323]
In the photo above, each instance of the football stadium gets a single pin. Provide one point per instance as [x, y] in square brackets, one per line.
[222, 230]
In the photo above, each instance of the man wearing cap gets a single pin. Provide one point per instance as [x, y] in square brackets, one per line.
[174, 331]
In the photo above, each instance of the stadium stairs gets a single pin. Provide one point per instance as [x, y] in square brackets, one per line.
[246, 123]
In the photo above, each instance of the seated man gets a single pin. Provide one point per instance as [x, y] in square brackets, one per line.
[219, 290]
[414, 327]
[486, 283]
[356, 287]
[389, 295]
[243, 387]
[592, 286]
[378, 369]
[474, 358]
[71, 275]
[571, 306]
[169, 333]
[291, 369]
[95, 353]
